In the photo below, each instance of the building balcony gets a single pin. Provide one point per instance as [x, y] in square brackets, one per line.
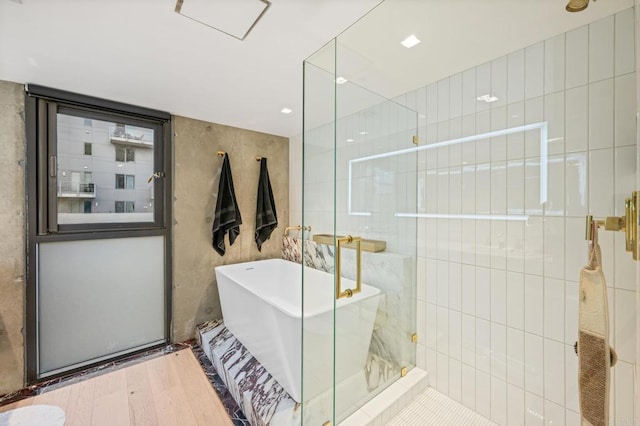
[135, 136]
[76, 190]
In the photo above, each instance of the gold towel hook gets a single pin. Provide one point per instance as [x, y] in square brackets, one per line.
[627, 224]
[220, 153]
[258, 158]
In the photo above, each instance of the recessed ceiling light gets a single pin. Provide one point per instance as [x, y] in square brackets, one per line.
[487, 98]
[410, 41]
[286, 111]
[86, 167]
[364, 132]
[119, 165]
[341, 80]
[350, 140]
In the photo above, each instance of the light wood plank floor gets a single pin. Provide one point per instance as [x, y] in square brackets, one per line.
[168, 390]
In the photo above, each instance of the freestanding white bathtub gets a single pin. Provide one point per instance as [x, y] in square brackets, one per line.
[262, 306]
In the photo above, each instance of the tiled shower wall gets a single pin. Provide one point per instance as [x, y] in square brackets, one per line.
[501, 237]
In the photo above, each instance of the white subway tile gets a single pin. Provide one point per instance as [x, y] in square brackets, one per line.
[571, 378]
[468, 289]
[421, 278]
[534, 410]
[483, 145]
[499, 351]
[483, 85]
[601, 109]
[622, 395]
[555, 185]
[533, 198]
[498, 244]
[443, 99]
[576, 179]
[468, 148]
[553, 413]
[442, 251]
[577, 119]
[533, 246]
[468, 386]
[625, 324]
[515, 405]
[499, 296]
[455, 283]
[483, 293]
[431, 280]
[554, 64]
[534, 71]
[455, 380]
[455, 190]
[468, 242]
[601, 189]
[455, 95]
[455, 244]
[483, 394]
[515, 300]
[442, 371]
[625, 107]
[534, 364]
[515, 357]
[624, 42]
[499, 81]
[515, 245]
[515, 141]
[468, 343]
[442, 343]
[577, 57]
[571, 418]
[432, 103]
[483, 345]
[571, 313]
[601, 50]
[455, 335]
[432, 363]
[469, 92]
[498, 143]
[483, 188]
[431, 324]
[443, 283]
[554, 247]
[421, 356]
[554, 116]
[533, 114]
[533, 308]
[469, 189]
[455, 151]
[554, 305]
[515, 76]
[498, 401]
[554, 371]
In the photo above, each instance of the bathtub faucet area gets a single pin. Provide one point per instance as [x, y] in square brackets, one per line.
[296, 228]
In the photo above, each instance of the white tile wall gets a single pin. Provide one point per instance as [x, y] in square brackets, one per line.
[506, 291]
[500, 297]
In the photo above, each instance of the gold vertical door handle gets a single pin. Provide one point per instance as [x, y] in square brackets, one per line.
[348, 292]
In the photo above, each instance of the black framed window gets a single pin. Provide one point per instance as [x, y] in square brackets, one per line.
[117, 137]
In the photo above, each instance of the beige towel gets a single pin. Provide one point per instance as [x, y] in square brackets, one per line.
[593, 342]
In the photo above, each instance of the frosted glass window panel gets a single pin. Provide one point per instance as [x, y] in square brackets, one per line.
[99, 298]
[121, 155]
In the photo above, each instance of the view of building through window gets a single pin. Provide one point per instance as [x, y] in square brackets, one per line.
[103, 168]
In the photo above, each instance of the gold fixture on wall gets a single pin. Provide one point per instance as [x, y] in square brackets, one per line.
[296, 228]
[627, 224]
[414, 338]
[348, 292]
[577, 5]
[403, 372]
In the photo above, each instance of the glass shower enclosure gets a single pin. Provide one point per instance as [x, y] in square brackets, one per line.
[360, 177]
[474, 158]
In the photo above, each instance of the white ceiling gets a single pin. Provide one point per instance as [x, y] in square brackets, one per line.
[142, 52]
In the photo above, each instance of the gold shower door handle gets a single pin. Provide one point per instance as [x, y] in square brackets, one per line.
[348, 292]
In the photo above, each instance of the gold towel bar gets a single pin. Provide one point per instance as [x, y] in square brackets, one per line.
[627, 224]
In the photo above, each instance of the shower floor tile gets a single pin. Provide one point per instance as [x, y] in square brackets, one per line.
[433, 408]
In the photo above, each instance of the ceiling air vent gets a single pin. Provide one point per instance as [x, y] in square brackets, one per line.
[232, 17]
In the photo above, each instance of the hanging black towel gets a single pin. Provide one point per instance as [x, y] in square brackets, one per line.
[266, 217]
[227, 216]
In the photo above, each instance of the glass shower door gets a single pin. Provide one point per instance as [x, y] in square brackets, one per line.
[360, 198]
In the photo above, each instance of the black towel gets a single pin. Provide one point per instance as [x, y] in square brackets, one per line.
[266, 217]
[227, 216]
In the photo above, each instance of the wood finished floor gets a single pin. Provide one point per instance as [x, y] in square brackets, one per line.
[168, 390]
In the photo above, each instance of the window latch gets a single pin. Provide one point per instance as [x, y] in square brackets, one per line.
[156, 175]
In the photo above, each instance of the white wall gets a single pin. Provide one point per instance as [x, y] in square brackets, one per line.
[498, 298]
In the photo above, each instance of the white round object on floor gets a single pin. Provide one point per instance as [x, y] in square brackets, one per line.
[33, 415]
